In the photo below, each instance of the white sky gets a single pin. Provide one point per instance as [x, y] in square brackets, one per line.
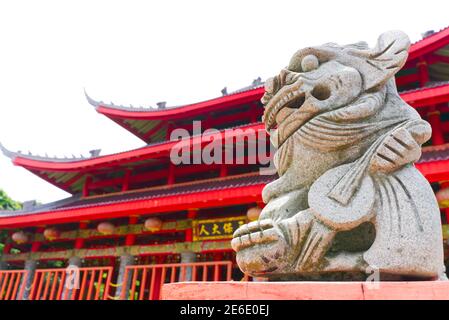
[142, 52]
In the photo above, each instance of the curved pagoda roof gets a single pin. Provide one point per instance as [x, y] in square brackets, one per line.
[70, 174]
[233, 190]
[151, 124]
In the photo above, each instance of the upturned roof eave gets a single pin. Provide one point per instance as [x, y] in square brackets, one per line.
[128, 112]
[57, 164]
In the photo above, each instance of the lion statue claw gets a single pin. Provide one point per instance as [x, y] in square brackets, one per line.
[348, 198]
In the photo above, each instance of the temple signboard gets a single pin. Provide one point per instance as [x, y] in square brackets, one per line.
[214, 229]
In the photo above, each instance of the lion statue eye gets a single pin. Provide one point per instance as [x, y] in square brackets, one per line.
[309, 63]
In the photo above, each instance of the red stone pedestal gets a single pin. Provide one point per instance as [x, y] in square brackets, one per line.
[425, 290]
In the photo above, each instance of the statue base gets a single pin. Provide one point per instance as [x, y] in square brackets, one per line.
[419, 290]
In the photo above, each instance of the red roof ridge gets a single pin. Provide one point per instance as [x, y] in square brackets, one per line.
[130, 108]
[431, 35]
[429, 43]
[44, 162]
[120, 111]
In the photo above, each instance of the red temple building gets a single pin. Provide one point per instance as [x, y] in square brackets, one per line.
[136, 220]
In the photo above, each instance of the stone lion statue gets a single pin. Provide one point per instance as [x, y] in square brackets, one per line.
[348, 201]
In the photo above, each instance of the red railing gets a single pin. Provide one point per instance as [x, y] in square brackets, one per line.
[145, 281]
[140, 282]
[71, 284]
[12, 284]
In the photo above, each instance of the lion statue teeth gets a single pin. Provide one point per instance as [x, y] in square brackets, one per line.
[348, 199]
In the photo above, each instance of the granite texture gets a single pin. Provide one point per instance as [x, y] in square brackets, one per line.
[348, 203]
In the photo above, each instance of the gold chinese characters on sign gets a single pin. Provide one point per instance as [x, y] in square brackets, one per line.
[213, 229]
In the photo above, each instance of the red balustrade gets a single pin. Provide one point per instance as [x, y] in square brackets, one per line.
[71, 284]
[12, 284]
[145, 281]
[141, 282]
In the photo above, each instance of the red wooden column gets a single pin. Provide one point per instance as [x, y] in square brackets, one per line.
[171, 173]
[86, 186]
[30, 264]
[7, 248]
[35, 245]
[423, 72]
[191, 214]
[125, 185]
[170, 128]
[223, 170]
[189, 256]
[126, 260]
[130, 238]
[171, 166]
[79, 242]
[437, 130]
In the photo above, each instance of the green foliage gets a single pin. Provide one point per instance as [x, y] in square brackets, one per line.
[6, 203]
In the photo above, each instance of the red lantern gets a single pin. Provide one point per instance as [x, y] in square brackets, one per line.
[106, 228]
[253, 213]
[443, 197]
[153, 224]
[52, 234]
[19, 237]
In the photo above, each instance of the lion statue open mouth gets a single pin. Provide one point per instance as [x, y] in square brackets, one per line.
[348, 198]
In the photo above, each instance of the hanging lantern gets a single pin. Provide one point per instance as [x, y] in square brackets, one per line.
[153, 224]
[443, 198]
[106, 228]
[253, 213]
[52, 234]
[19, 237]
